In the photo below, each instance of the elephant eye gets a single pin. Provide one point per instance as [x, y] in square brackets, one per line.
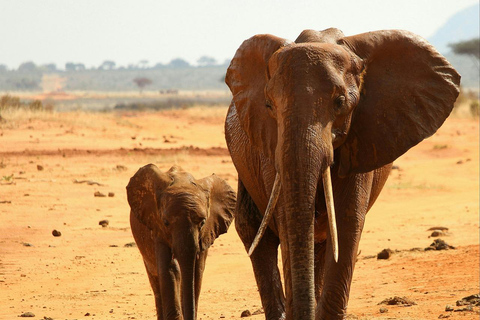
[166, 223]
[268, 104]
[202, 223]
[340, 103]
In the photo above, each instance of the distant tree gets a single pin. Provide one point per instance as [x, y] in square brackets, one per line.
[159, 66]
[142, 82]
[469, 47]
[27, 67]
[107, 65]
[3, 68]
[51, 67]
[179, 63]
[70, 66]
[206, 61]
[79, 67]
[143, 64]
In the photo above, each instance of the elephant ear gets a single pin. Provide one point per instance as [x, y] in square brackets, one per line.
[408, 91]
[222, 200]
[246, 77]
[143, 191]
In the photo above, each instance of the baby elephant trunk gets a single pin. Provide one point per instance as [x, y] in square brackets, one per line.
[186, 254]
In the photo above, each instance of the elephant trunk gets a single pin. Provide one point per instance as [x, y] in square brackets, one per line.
[301, 160]
[186, 253]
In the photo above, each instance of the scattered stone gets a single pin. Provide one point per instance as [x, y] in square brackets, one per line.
[398, 301]
[443, 316]
[103, 223]
[27, 315]
[384, 254]
[439, 244]
[89, 182]
[467, 309]
[47, 318]
[99, 194]
[39, 167]
[113, 246]
[395, 167]
[87, 314]
[383, 310]
[448, 308]
[437, 233]
[245, 314]
[56, 233]
[5, 201]
[474, 300]
[111, 194]
[259, 311]
[130, 245]
[437, 228]
[120, 167]
[26, 244]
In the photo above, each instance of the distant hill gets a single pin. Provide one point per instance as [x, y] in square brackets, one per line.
[463, 25]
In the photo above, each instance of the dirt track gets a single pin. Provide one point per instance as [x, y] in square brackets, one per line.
[88, 269]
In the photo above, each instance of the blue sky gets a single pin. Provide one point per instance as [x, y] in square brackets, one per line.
[126, 31]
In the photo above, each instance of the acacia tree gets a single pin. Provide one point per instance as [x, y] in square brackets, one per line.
[142, 82]
[470, 47]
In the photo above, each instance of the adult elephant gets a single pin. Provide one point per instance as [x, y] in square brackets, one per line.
[174, 219]
[313, 128]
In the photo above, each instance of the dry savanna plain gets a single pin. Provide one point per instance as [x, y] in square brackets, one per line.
[67, 171]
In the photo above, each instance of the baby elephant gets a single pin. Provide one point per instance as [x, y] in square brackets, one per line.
[175, 219]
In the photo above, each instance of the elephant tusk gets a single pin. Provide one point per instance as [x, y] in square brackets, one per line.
[268, 214]
[327, 188]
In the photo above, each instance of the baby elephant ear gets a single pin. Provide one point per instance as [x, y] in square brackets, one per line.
[222, 201]
[142, 193]
[408, 91]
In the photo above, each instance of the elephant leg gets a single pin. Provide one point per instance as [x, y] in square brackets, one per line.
[155, 284]
[319, 268]
[169, 279]
[265, 257]
[351, 207]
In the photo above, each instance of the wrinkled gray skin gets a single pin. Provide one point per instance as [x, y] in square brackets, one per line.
[175, 219]
[353, 104]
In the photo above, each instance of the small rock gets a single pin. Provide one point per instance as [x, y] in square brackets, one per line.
[113, 246]
[474, 299]
[383, 310]
[87, 314]
[245, 314]
[443, 316]
[130, 245]
[103, 223]
[384, 254]
[222, 316]
[27, 315]
[39, 167]
[119, 167]
[448, 308]
[437, 228]
[396, 301]
[259, 311]
[438, 233]
[26, 244]
[99, 194]
[467, 308]
[111, 194]
[47, 318]
[56, 233]
[395, 167]
[439, 244]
